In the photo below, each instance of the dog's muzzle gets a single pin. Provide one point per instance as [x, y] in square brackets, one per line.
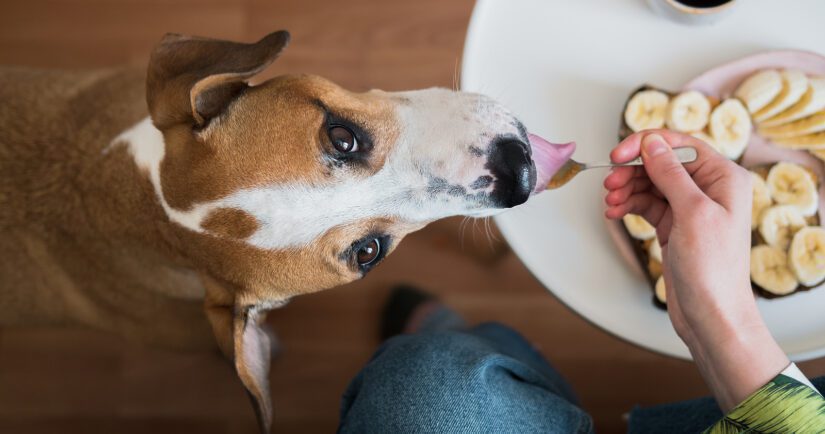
[514, 172]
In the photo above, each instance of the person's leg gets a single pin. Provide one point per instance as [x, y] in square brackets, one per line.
[485, 379]
[509, 342]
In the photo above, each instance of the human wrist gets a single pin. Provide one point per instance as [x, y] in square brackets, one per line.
[738, 359]
[718, 320]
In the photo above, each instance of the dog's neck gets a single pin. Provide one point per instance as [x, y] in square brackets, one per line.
[129, 165]
[86, 213]
[145, 144]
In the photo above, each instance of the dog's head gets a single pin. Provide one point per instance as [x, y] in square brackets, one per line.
[297, 185]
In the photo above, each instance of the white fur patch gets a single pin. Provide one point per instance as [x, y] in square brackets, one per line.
[146, 145]
[438, 129]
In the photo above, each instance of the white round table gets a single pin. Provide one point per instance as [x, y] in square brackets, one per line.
[566, 68]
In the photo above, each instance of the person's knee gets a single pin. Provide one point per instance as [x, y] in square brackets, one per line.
[456, 382]
[423, 355]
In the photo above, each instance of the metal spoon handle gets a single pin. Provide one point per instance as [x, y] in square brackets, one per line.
[686, 154]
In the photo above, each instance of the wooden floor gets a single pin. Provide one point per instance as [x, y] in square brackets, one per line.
[81, 381]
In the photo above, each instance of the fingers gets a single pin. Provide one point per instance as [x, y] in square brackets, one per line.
[619, 176]
[631, 147]
[713, 174]
[672, 179]
[668, 174]
[733, 180]
[646, 204]
[621, 194]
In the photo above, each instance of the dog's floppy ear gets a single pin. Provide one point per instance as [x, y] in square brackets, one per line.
[192, 79]
[252, 353]
[242, 338]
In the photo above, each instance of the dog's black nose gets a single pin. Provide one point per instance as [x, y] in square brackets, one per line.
[514, 172]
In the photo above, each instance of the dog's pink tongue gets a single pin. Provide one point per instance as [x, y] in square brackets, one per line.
[549, 157]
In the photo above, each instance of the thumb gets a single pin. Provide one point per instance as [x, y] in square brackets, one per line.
[667, 173]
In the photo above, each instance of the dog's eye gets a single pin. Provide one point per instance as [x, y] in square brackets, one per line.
[343, 139]
[369, 252]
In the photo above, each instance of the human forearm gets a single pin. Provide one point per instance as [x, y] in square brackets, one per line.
[736, 359]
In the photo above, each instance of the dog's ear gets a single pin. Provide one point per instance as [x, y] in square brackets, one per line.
[252, 360]
[242, 338]
[192, 79]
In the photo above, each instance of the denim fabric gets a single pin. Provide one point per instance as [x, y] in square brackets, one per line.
[486, 379]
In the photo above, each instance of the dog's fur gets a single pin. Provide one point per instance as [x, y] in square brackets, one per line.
[131, 201]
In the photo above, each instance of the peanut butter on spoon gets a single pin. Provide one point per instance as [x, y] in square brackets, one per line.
[565, 174]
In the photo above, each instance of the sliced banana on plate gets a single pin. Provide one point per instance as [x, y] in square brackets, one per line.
[761, 199]
[791, 184]
[730, 127]
[794, 85]
[638, 227]
[655, 250]
[812, 101]
[688, 112]
[807, 255]
[808, 142]
[646, 110]
[809, 125]
[758, 90]
[660, 290]
[779, 224]
[770, 270]
[701, 135]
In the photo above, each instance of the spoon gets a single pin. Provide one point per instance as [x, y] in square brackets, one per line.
[571, 168]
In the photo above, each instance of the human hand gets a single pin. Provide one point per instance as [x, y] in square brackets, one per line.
[702, 215]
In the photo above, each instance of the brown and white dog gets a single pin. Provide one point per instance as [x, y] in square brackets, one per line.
[224, 196]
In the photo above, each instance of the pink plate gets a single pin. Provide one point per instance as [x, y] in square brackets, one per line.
[720, 82]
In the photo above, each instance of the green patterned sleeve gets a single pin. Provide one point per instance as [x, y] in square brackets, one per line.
[784, 405]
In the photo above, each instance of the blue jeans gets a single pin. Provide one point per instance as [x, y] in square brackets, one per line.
[487, 379]
[484, 380]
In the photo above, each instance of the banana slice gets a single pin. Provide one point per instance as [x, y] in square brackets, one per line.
[687, 112]
[794, 85]
[638, 227]
[761, 199]
[807, 255]
[646, 110]
[701, 135]
[811, 124]
[769, 270]
[730, 127]
[818, 154]
[655, 250]
[758, 90]
[815, 141]
[660, 290]
[812, 101]
[791, 184]
[779, 224]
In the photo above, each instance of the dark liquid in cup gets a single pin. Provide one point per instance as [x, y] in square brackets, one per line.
[703, 3]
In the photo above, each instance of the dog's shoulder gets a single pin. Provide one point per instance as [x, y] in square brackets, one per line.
[54, 123]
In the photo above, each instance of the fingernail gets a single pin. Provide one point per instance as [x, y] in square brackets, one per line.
[654, 144]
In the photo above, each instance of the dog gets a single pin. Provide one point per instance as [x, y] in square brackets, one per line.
[133, 202]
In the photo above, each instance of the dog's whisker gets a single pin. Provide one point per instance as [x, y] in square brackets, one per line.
[493, 234]
[489, 232]
[461, 228]
[456, 76]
